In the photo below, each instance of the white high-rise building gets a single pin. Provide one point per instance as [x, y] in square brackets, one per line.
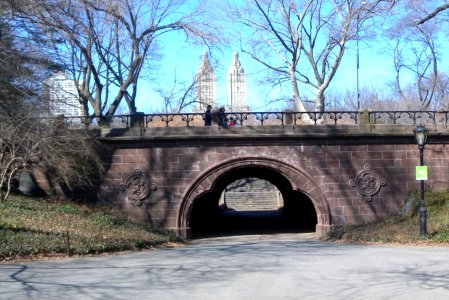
[236, 86]
[205, 84]
[61, 96]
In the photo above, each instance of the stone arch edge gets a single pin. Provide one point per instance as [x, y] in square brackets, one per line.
[297, 177]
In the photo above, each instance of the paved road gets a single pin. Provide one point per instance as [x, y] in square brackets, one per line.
[256, 267]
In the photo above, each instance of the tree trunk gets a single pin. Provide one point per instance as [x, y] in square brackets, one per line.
[319, 101]
[296, 98]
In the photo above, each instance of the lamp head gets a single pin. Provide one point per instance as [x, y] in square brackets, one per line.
[421, 135]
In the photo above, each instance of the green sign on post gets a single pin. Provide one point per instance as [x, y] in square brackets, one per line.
[421, 172]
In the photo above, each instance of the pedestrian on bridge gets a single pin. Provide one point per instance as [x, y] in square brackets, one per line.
[208, 116]
[222, 120]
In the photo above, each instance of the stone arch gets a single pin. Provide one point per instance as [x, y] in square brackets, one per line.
[297, 178]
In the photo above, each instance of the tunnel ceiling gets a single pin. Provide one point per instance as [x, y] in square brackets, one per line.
[257, 172]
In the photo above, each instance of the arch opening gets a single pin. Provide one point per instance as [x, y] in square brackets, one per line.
[213, 215]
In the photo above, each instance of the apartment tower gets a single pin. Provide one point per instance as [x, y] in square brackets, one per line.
[205, 84]
[236, 86]
[61, 96]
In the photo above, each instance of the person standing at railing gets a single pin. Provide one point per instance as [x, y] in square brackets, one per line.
[208, 116]
[222, 120]
[232, 121]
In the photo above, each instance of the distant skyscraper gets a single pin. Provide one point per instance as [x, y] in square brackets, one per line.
[205, 84]
[236, 86]
[61, 96]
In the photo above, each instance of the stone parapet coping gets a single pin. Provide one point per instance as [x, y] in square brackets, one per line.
[286, 132]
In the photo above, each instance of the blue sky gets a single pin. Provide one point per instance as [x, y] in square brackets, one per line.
[182, 61]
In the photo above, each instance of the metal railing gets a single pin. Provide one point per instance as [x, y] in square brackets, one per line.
[257, 119]
[409, 117]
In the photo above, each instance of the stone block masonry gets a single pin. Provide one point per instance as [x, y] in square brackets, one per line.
[350, 175]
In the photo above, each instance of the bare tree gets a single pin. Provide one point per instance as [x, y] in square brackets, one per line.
[442, 92]
[309, 39]
[416, 54]
[67, 156]
[25, 141]
[375, 98]
[106, 44]
[20, 66]
[178, 96]
[433, 13]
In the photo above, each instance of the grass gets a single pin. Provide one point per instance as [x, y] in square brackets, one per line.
[403, 229]
[31, 228]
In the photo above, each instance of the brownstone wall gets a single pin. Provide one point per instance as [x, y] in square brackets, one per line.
[326, 164]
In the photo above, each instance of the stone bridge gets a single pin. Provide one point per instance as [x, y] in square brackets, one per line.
[172, 177]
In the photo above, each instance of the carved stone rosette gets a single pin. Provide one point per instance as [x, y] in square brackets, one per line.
[367, 183]
[137, 187]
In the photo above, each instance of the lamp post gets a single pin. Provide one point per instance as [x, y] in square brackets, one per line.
[421, 138]
[357, 62]
[358, 56]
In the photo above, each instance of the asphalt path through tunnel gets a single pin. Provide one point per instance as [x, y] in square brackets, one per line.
[244, 267]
